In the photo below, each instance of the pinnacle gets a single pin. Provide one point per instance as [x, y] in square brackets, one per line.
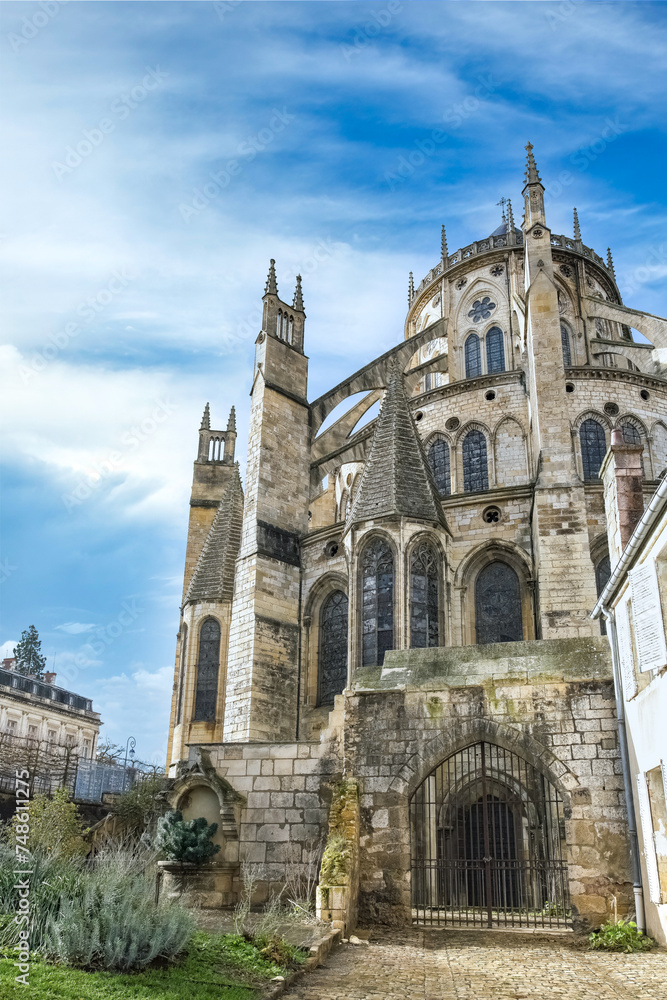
[532, 176]
[510, 216]
[610, 262]
[443, 244]
[297, 302]
[271, 287]
[396, 481]
[411, 288]
[231, 423]
[206, 419]
[577, 230]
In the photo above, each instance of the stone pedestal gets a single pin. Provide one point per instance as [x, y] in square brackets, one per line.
[209, 886]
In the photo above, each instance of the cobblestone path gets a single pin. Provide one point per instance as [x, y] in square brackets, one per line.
[478, 965]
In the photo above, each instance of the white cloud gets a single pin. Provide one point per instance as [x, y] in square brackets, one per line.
[122, 700]
[7, 649]
[74, 628]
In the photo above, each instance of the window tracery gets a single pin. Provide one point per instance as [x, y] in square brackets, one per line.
[332, 674]
[377, 603]
[439, 460]
[498, 613]
[424, 597]
[473, 356]
[565, 344]
[495, 351]
[475, 466]
[208, 668]
[593, 447]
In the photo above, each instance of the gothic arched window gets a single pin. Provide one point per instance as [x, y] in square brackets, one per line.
[473, 356]
[498, 615]
[475, 470]
[181, 675]
[377, 603]
[495, 351]
[602, 574]
[208, 668]
[631, 435]
[565, 344]
[438, 458]
[424, 597]
[593, 447]
[332, 674]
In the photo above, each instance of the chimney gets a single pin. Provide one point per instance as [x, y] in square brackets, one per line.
[49, 678]
[621, 473]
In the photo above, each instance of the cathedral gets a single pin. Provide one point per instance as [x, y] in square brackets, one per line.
[395, 612]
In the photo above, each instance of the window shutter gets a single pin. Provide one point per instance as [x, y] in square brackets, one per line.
[647, 833]
[625, 652]
[647, 617]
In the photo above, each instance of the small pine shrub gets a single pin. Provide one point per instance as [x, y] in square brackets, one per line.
[620, 936]
[186, 840]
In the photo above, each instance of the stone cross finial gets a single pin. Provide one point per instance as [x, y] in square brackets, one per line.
[502, 203]
[532, 176]
[206, 419]
[577, 230]
[271, 287]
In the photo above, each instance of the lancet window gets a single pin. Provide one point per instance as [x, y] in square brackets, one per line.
[439, 460]
[475, 466]
[473, 356]
[424, 597]
[593, 447]
[208, 669]
[333, 648]
[495, 350]
[377, 602]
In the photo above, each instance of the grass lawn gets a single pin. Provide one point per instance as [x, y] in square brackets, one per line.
[215, 967]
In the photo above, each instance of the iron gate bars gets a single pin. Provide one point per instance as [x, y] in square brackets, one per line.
[488, 843]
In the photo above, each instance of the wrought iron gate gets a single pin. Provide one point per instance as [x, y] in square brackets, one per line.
[488, 843]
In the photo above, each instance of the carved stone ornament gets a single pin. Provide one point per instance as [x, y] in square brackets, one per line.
[462, 283]
[497, 271]
[538, 234]
[566, 270]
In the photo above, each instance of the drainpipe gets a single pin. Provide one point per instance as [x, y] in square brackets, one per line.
[637, 888]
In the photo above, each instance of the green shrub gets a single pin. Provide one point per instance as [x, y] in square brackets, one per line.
[186, 840]
[621, 936]
[55, 826]
[139, 808]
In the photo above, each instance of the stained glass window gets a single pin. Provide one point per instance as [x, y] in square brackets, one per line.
[593, 447]
[424, 603]
[181, 676]
[438, 457]
[602, 574]
[475, 471]
[333, 648]
[473, 356]
[565, 344]
[495, 350]
[481, 309]
[632, 436]
[208, 668]
[378, 603]
[498, 616]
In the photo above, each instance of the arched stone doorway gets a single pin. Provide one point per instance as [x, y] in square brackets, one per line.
[488, 843]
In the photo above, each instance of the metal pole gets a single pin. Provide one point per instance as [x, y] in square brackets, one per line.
[486, 859]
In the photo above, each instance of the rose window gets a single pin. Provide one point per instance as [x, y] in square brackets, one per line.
[482, 309]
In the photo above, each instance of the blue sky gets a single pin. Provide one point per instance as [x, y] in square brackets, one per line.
[342, 136]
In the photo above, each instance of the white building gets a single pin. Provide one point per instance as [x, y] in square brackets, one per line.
[634, 602]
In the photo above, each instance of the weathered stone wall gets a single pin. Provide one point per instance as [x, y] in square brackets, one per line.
[551, 702]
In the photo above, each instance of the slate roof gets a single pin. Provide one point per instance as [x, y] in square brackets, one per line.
[213, 578]
[397, 480]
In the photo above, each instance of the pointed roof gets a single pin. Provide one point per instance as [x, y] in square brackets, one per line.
[397, 480]
[271, 286]
[577, 230]
[532, 176]
[213, 578]
[206, 419]
[297, 301]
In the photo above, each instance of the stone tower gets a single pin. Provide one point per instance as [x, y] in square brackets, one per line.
[263, 667]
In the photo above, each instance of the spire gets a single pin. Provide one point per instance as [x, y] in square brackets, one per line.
[502, 203]
[206, 419]
[532, 176]
[510, 216]
[396, 481]
[271, 287]
[411, 288]
[231, 423]
[577, 230]
[213, 577]
[443, 244]
[297, 302]
[610, 264]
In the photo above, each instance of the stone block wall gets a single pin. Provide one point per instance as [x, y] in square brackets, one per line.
[551, 702]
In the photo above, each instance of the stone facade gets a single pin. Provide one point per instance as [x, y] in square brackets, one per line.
[423, 583]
